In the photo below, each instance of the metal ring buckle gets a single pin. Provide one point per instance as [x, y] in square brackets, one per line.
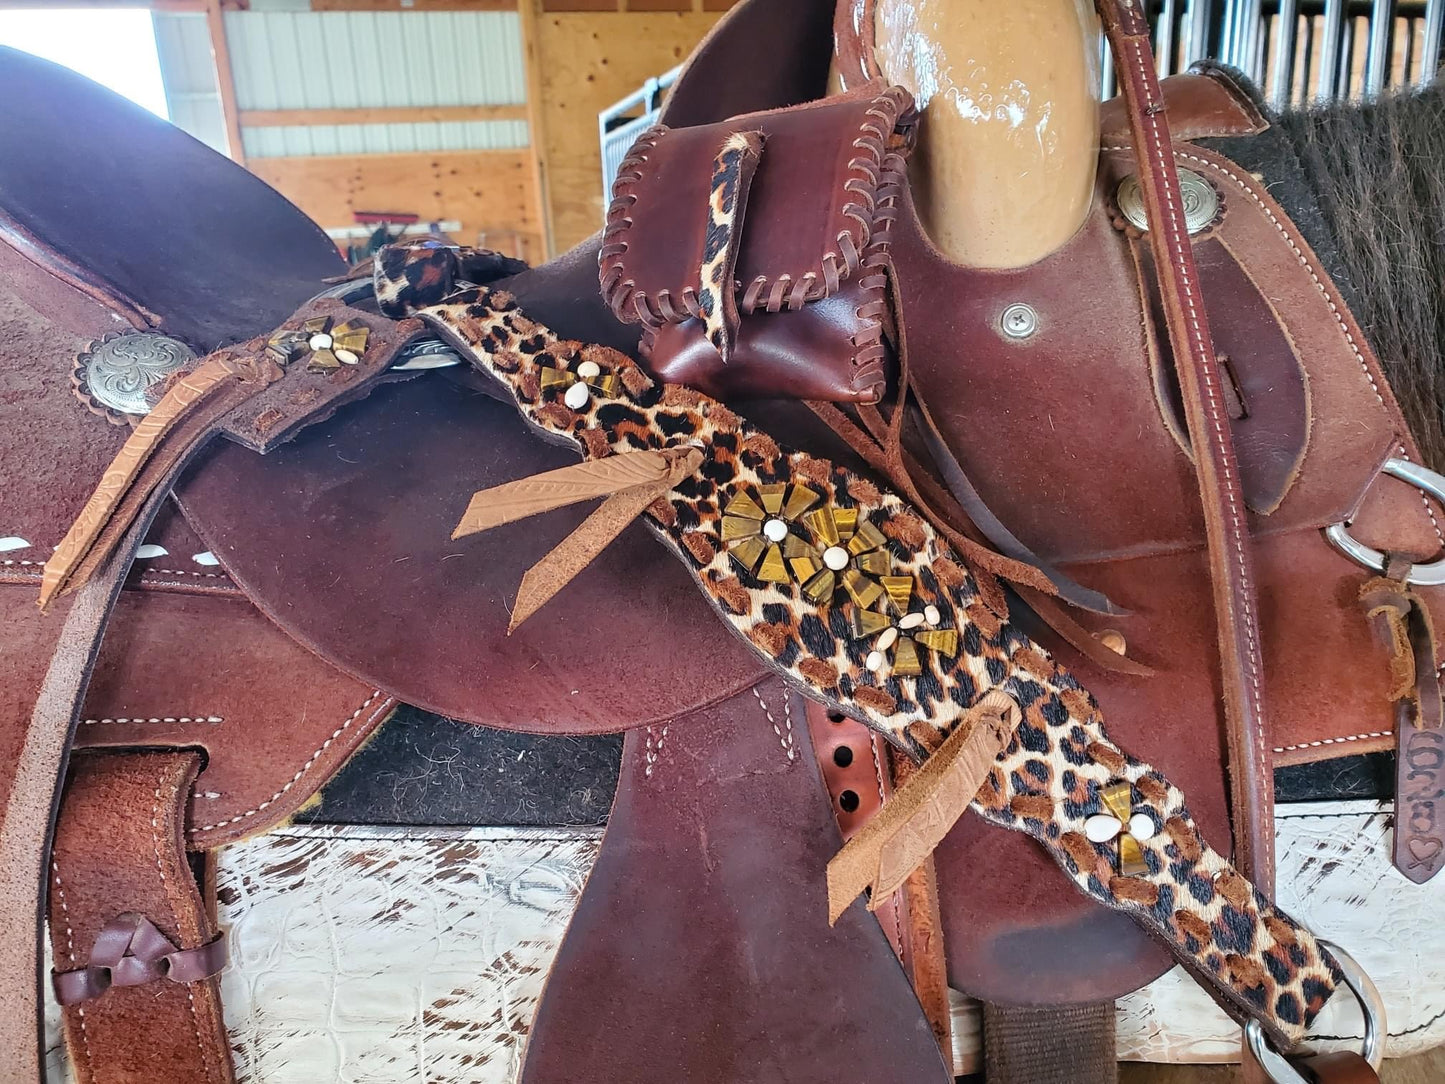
[1423, 479]
[1279, 1069]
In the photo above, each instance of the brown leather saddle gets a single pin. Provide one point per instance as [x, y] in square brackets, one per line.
[223, 696]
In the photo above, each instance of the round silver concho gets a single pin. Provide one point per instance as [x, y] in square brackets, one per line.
[117, 370]
[1201, 201]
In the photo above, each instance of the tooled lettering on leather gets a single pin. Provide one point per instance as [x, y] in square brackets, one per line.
[901, 581]
[639, 292]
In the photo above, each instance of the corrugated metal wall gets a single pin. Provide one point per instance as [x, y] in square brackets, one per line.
[351, 60]
[184, 47]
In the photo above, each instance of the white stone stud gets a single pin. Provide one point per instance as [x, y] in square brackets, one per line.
[931, 612]
[346, 357]
[1141, 827]
[910, 621]
[319, 341]
[1100, 828]
[589, 370]
[888, 639]
[874, 662]
[775, 530]
[836, 558]
[577, 396]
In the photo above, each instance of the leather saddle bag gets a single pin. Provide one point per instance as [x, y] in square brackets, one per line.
[749, 250]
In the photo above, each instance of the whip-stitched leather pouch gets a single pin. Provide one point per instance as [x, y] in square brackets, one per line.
[753, 251]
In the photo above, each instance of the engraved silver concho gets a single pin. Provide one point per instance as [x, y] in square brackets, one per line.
[114, 374]
[1200, 199]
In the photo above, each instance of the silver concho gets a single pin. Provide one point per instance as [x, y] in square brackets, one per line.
[117, 370]
[1201, 202]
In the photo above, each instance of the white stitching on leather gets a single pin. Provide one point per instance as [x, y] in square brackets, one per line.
[1319, 285]
[1334, 741]
[70, 951]
[165, 891]
[1221, 440]
[785, 741]
[165, 719]
[300, 772]
[144, 571]
[651, 752]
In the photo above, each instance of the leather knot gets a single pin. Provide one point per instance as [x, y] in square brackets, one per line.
[130, 951]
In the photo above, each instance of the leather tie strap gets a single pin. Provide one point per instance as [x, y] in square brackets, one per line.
[634, 482]
[130, 951]
[897, 841]
[139, 990]
[1403, 622]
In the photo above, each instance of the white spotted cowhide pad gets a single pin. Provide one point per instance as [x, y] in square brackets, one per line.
[403, 955]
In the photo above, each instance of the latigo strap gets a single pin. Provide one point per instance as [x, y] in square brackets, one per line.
[855, 599]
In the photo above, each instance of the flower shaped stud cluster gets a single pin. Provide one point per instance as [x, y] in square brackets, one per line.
[901, 641]
[1122, 823]
[324, 346]
[579, 383]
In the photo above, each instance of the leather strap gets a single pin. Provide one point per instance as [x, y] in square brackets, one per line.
[859, 773]
[122, 893]
[30, 808]
[1207, 416]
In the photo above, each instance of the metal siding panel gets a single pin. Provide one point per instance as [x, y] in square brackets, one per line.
[345, 60]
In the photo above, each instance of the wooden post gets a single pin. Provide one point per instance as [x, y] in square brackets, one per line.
[529, 11]
[225, 80]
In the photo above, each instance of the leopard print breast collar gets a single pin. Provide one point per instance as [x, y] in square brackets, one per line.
[853, 597]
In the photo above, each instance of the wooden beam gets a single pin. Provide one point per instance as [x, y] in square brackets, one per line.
[225, 80]
[531, 57]
[421, 114]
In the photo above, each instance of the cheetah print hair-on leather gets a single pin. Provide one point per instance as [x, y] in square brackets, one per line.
[1256, 961]
[732, 175]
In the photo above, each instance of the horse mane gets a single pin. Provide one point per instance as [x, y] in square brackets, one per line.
[1378, 173]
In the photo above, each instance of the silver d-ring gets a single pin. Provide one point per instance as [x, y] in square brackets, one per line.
[1371, 1004]
[1423, 479]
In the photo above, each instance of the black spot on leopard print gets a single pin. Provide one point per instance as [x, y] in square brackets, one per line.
[816, 637]
[719, 472]
[1074, 745]
[1032, 738]
[775, 613]
[964, 692]
[1025, 691]
[1201, 888]
[996, 670]
[1053, 711]
[676, 425]
[1277, 968]
[1234, 932]
[972, 641]
[1287, 1008]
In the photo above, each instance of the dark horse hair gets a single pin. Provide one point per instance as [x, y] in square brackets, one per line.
[1378, 173]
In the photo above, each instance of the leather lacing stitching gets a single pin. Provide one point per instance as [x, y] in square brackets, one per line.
[785, 740]
[783, 291]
